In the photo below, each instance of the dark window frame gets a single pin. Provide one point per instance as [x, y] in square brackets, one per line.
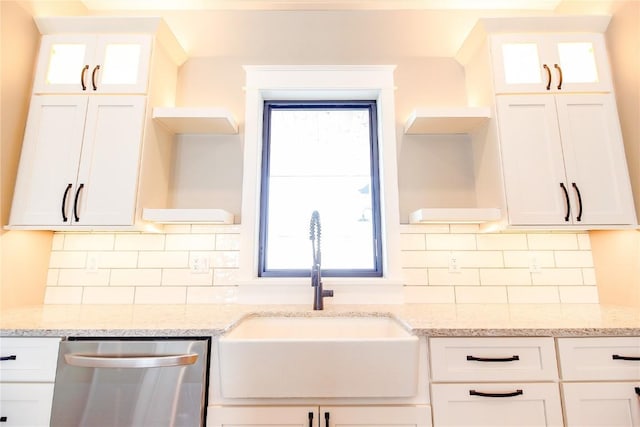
[374, 153]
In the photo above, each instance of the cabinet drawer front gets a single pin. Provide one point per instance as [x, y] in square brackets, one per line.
[602, 404]
[523, 404]
[493, 359]
[600, 358]
[28, 359]
[26, 405]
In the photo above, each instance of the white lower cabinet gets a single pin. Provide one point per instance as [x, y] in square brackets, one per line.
[27, 373]
[319, 416]
[606, 404]
[496, 404]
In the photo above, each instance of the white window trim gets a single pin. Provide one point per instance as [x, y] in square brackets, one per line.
[330, 83]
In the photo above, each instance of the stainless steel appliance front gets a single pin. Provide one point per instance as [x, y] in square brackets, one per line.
[131, 383]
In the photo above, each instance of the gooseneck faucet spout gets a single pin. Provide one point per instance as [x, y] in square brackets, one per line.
[316, 279]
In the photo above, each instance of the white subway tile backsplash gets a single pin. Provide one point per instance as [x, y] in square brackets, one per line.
[136, 277]
[63, 295]
[108, 295]
[154, 268]
[502, 242]
[184, 277]
[457, 242]
[161, 295]
[154, 259]
[190, 242]
[139, 242]
[481, 294]
[88, 242]
[578, 294]
[412, 242]
[505, 277]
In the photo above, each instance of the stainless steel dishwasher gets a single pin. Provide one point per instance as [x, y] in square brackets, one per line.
[136, 382]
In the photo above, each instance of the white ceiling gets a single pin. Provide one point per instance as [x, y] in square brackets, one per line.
[308, 29]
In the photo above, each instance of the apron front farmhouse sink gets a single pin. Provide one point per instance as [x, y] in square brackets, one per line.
[289, 357]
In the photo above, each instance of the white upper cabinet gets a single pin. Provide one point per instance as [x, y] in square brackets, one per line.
[79, 163]
[563, 160]
[86, 63]
[550, 63]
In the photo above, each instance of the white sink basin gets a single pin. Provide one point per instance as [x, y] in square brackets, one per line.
[289, 357]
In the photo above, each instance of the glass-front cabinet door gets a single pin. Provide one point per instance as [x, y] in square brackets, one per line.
[93, 64]
[556, 63]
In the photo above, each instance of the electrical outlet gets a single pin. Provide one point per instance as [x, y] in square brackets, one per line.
[92, 263]
[199, 264]
[454, 263]
[534, 264]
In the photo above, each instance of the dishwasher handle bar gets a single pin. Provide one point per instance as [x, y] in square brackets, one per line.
[129, 361]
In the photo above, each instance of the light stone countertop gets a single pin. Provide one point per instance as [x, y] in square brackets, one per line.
[556, 320]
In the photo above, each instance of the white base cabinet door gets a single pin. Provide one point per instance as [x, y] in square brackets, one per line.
[25, 405]
[493, 404]
[602, 404]
[323, 416]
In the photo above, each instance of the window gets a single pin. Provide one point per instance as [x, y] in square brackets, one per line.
[320, 156]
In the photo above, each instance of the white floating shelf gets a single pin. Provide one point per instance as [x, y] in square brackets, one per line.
[454, 215]
[446, 120]
[187, 216]
[196, 120]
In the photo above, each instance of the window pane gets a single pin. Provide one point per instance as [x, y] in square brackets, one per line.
[65, 63]
[121, 64]
[578, 62]
[521, 63]
[319, 158]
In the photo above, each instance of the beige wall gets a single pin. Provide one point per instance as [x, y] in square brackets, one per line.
[617, 253]
[24, 256]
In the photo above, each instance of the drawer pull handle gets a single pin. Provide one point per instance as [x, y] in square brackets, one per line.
[84, 71]
[546, 67]
[3, 419]
[93, 77]
[509, 394]
[638, 391]
[326, 419]
[310, 419]
[557, 67]
[12, 357]
[618, 357]
[494, 359]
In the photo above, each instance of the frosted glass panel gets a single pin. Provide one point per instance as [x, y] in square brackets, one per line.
[65, 64]
[521, 63]
[578, 62]
[121, 62]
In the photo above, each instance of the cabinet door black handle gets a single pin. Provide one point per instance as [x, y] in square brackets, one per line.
[93, 77]
[64, 203]
[509, 394]
[84, 72]
[618, 357]
[494, 359]
[310, 419]
[575, 187]
[557, 67]
[12, 357]
[637, 391]
[3, 419]
[75, 202]
[566, 198]
[548, 76]
[326, 419]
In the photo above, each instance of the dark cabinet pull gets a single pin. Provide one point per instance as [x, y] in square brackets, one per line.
[75, 202]
[557, 67]
[548, 76]
[481, 394]
[566, 198]
[3, 419]
[12, 357]
[575, 187]
[326, 419]
[618, 357]
[93, 77]
[84, 71]
[64, 203]
[494, 359]
[637, 391]
[310, 419]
